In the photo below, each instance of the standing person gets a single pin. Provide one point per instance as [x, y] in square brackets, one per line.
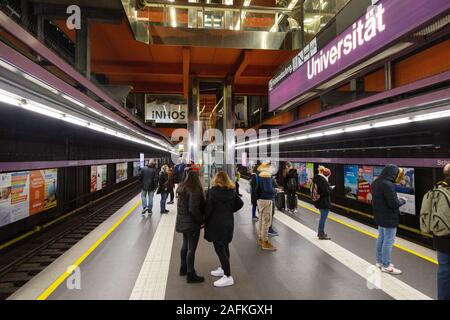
[163, 189]
[254, 183]
[386, 211]
[238, 177]
[291, 187]
[171, 185]
[190, 219]
[221, 204]
[149, 179]
[436, 207]
[265, 202]
[321, 195]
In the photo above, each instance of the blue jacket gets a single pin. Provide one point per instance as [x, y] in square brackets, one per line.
[266, 188]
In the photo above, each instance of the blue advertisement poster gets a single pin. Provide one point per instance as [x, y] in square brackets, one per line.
[351, 181]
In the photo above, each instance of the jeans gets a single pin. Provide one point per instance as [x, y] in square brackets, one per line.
[385, 241]
[323, 218]
[162, 204]
[443, 276]
[147, 204]
[187, 253]
[223, 252]
[253, 211]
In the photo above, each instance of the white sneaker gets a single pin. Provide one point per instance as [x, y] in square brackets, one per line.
[391, 270]
[218, 272]
[224, 282]
[378, 265]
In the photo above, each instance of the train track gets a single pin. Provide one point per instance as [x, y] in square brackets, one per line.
[40, 251]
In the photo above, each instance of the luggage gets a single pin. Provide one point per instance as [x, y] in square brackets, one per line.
[292, 201]
[280, 201]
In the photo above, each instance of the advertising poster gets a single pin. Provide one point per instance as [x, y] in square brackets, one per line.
[5, 198]
[309, 175]
[136, 168]
[19, 195]
[37, 191]
[98, 177]
[365, 179]
[351, 181]
[302, 177]
[405, 189]
[51, 178]
[121, 172]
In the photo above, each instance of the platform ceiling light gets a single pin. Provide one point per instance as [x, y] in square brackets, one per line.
[27, 104]
[358, 128]
[392, 122]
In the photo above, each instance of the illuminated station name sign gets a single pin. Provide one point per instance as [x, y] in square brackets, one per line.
[382, 24]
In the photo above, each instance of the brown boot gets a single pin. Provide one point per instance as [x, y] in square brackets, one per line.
[259, 242]
[268, 246]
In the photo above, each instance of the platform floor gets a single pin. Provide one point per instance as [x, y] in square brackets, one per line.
[140, 260]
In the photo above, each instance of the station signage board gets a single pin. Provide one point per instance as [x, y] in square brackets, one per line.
[383, 23]
[166, 112]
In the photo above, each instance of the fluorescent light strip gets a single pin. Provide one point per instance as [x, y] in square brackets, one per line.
[15, 100]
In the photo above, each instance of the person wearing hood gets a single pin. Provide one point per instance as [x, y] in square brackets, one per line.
[322, 195]
[265, 200]
[386, 210]
[222, 202]
[291, 187]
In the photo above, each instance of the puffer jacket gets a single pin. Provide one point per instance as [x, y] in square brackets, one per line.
[385, 201]
[221, 204]
[190, 211]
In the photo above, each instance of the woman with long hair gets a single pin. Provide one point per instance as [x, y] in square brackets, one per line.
[221, 204]
[163, 187]
[190, 219]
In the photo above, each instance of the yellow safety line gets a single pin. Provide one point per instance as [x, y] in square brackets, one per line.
[373, 235]
[47, 292]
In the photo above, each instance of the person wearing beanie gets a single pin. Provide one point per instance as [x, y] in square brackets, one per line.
[265, 195]
[321, 194]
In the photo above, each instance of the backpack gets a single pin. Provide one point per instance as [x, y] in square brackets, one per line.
[315, 196]
[435, 211]
[292, 184]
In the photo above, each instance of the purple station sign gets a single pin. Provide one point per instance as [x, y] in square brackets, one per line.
[383, 23]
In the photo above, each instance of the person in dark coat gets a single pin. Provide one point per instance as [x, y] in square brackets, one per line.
[291, 187]
[386, 212]
[254, 181]
[163, 188]
[323, 189]
[221, 204]
[190, 219]
[442, 246]
[149, 180]
[171, 185]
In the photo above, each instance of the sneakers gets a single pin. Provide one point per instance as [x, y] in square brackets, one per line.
[218, 272]
[268, 246]
[272, 232]
[224, 282]
[323, 236]
[391, 270]
[144, 210]
[378, 265]
[183, 271]
[255, 219]
[192, 277]
[165, 211]
[170, 202]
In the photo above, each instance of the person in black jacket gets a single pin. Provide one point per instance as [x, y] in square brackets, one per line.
[171, 185]
[322, 188]
[221, 204]
[254, 181]
[163, 188]
[291, 187]
[149, 179]
[386, 211]
[190, 219]
[442, 246]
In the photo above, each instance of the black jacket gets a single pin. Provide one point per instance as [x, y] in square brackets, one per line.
[324, 190]
[221, 204]
[190, 211]
[385, 202]
[163, 182]
[291, 175]
[149, 178]
[443, 243]
[253, 195]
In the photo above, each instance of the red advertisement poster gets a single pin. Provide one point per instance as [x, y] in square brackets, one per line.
[93, 178]
[37, 192]
[365, 179]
